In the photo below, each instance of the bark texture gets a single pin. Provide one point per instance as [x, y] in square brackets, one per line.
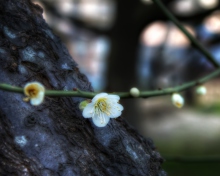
[53, 139]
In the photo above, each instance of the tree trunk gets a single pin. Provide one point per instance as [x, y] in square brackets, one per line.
[53, 138]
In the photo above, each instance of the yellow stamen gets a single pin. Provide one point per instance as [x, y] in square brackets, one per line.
[101, 106]
[32, 90]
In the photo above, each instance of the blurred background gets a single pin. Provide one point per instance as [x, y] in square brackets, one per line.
[119, 44]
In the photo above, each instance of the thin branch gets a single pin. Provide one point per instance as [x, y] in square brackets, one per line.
[200, 159]
[189, 36]
[143, 94]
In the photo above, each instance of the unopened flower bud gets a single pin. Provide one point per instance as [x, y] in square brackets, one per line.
[201, 90]
[134, 92]
[177, 100]
[83, 104]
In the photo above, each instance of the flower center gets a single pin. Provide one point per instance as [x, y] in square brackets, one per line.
[32, 92]
[102, 106]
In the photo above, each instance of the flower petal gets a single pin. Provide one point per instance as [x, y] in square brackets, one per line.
[88, 110]
[101, 95]
[100, 122]
[116, 111]
[114, 97]
[38, 100]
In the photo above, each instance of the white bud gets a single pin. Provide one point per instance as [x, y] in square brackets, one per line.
[201, 90]
[134, 92]
[177, 100]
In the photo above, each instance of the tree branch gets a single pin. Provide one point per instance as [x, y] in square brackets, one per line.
[143, 94]
[201, 159]
[189, 36]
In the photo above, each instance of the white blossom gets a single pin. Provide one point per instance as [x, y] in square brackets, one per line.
[201, 90]
[177, 100]
[35, 93]
[102, 108]
[134, 92]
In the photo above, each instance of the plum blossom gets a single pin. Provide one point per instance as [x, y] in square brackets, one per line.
[35, 92]
[103, 107]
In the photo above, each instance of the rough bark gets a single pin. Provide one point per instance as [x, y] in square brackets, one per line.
[53, 138]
